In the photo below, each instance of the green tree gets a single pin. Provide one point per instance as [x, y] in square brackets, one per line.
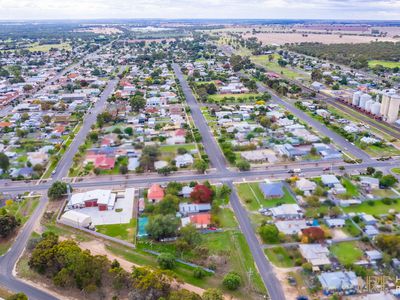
[190, 235]
[200, 165]
[232, 281]
[4, 161]
[183, 295]
[212, 294]
[388, 181]
[162, 226]
[243, 165]
[166, 261]
[137, 102]
[17, 296]
[57, 190]
[8, 223]
[269, 233]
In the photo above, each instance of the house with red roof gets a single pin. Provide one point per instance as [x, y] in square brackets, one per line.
[104, 162]
[201, 220]
[155, 193]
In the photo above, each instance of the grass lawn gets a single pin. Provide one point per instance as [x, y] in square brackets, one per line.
[396, 170]
[351, 229]
[253, 198]
[21, 210]
[274, 67]
[174, 148]
[351, 189]
[47, 47]
[384, 63]
[347, 252]
[238, 97]
[124, 232]
[280, 257]
[227, 218]
[377, 208]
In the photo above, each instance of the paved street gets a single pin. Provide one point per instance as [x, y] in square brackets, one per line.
[218, 174]
[218, 161]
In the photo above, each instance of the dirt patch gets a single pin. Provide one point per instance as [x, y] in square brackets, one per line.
[338, 233]
[291, 292]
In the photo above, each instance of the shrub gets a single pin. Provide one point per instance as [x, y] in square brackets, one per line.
[199, 273]
[232, 281]
[166, 261]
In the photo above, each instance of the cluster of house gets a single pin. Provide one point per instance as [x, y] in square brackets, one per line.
[162, 122]
[198, 214]
[284, 138]
[46, 118]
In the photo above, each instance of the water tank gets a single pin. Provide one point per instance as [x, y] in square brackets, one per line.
[368, 105]
[363, 100]
[356, 98]
[376, 108]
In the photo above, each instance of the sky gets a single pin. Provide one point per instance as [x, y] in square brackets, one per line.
[183, 9]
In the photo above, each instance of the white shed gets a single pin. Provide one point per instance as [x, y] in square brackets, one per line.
[75, 218]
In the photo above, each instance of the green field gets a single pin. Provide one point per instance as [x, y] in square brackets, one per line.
[377, 208]
[384, 63]
[22, 211]
[126, 232]
[396, 170]
[280, 257]
[274, 67]
[253, 198]
[351, 229]
[347, 252]
[174, 148]
[244, 97]
[47, 47]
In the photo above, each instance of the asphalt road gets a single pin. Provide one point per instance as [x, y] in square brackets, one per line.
[210, 145]
[218, 161]
[8, 261]
[90, 119]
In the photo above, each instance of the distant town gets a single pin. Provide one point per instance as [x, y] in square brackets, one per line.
[200, 160]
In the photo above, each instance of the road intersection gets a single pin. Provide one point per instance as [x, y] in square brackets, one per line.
[220, 173]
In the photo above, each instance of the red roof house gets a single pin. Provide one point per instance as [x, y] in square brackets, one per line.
[104, 162]
[202, 220]
[155, 193]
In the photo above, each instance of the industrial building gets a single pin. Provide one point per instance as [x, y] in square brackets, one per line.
[390, 106]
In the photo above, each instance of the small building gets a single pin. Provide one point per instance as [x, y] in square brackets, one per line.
[371, 230]
[305, 185]
[76, 219]
[334, 223]
[183, 160]
[186, 191]
[329, 180]
[291, 227]
[369, 183]
[315, 254]
[155, 193]
[373, 255]
[201, 220]
[272, 189]
[287, 211]
[338, 282]
[368, 219]
[193, 208]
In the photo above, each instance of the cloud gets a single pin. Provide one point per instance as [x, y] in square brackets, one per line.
[86, 9]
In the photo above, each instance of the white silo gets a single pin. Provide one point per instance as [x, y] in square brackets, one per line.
[363, 100]
[376, 108]
[356, 98]
[368, 105]
[394, 109]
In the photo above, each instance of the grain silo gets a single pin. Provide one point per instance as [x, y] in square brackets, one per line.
[363, 100]
[368, 105]
[376, 108]
[356, 98]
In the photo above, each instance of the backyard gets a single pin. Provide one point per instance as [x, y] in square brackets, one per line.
[347, 252]
[126, 232]
[377, 207]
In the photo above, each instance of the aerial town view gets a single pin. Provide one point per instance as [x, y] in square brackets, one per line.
[178, 150]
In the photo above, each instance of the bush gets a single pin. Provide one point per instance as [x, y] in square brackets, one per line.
[166, 261]
[232, 281]
[199, 273]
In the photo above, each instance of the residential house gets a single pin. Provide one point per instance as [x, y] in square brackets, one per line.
[287, 211]
[329, 180]
[155, 193]
[193, 208]
[201, 220]
[183, 160]
[306, 185]
[291, 227]
[338, 282]
[335, 222]
[272, 189]
[369, 183]
[103, 199]
[316, 254]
